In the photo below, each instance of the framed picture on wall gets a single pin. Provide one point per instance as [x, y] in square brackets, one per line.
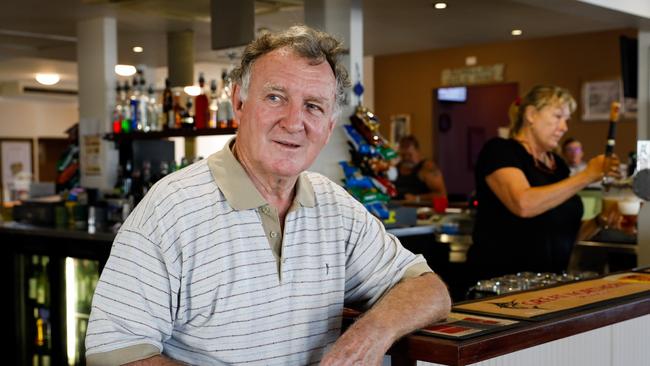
[597, 97]
[16, 162]
[400, 126]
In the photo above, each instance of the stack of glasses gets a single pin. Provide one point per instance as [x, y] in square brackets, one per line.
[523, 281]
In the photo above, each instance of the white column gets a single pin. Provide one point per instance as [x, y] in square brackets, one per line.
[643, 133]
[643, 97]
[96, 59]
[344, 20]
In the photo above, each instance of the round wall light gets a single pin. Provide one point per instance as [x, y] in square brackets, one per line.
[48, 78]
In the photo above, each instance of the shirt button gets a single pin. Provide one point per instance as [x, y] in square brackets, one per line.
[274, 234]
[265, 209]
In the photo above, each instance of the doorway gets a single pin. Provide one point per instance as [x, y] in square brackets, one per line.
[462, 124]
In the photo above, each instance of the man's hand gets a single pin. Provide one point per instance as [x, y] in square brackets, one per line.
[411, 304]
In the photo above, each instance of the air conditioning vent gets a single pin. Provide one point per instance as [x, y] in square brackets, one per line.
[21, 89]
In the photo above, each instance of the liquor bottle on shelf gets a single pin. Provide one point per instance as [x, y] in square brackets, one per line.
[153, 111]
[168, 106]
[201, 113]
[178, 109]
[144, 124]
[134, 101]
[187, 120]
[126, 108]
[224, 111]
[118, 114]
[214, 104]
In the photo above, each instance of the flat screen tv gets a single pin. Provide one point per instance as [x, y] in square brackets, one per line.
[452, 94]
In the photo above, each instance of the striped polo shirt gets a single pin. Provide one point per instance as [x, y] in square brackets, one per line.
[202, 273]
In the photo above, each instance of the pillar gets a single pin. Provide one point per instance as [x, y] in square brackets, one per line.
[344, 20]
[96, 59]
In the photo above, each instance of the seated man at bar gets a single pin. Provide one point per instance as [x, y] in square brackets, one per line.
[245, 257]
[419, 179]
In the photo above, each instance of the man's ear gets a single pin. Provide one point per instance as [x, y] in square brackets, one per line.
[236, 100]
[332, 124]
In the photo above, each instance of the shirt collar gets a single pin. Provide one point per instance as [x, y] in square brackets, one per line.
[237, 187]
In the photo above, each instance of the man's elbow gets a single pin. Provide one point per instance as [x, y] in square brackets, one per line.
[442, 300]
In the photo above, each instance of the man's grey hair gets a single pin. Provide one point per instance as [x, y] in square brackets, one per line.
[304, 41]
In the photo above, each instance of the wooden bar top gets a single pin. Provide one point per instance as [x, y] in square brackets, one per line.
[462, 352]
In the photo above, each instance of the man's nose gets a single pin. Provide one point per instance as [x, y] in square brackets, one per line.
[564, 126]
[293, 120]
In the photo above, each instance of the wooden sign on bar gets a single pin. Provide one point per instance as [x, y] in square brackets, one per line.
[535, 305]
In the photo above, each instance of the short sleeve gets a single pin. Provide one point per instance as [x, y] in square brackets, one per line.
[376, 261]
[499, 153]
[132, 310]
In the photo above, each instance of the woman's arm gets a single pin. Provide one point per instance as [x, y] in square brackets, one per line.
[514, 191]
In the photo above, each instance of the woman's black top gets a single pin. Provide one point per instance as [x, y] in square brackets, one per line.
[504, 243]
[411, 183]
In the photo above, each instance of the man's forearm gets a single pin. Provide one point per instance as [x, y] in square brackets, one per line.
[412, 304]
[158, 360]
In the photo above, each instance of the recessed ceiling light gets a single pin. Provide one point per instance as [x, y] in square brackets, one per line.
[138, 49]
[516, 32]
[125, 70]
[440, 5]
[48, 79]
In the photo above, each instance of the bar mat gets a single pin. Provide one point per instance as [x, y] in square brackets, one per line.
[462, 326]
[540, 304]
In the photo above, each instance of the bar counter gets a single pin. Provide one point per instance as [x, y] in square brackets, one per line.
[612, 334]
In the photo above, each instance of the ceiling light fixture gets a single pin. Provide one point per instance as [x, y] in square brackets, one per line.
[48, 79]
[138, 49]
[517, 32]
[440, 5]
[125, 70]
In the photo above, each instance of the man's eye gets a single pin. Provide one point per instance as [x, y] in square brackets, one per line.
[314, 107]
[273, 97]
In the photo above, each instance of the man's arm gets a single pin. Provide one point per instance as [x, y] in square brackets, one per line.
[158, 360]
[431, 175]
[411, 304]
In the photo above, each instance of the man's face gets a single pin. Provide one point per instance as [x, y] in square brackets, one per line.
[573, 153]
[287, 116]
[409, 155]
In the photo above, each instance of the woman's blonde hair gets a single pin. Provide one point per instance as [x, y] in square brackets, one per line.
[539, 97]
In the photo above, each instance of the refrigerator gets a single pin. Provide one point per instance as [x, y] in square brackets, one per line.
[53, 308]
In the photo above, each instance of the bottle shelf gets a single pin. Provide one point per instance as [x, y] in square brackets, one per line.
[155, 135]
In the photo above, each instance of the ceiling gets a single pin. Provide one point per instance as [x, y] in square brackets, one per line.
[40, 35]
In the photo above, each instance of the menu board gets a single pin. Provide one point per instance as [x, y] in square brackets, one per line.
[536, 305]
[462, 326]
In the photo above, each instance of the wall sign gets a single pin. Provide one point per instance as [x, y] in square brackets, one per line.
[473, 75]
[597, 97]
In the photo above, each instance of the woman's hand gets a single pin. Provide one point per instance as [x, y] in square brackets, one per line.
[601, 166]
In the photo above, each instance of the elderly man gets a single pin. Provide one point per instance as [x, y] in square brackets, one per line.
[245, 258]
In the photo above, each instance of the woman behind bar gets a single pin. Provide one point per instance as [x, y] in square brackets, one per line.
[529, 215]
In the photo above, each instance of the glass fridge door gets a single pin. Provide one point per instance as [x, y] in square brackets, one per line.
[81, 276]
